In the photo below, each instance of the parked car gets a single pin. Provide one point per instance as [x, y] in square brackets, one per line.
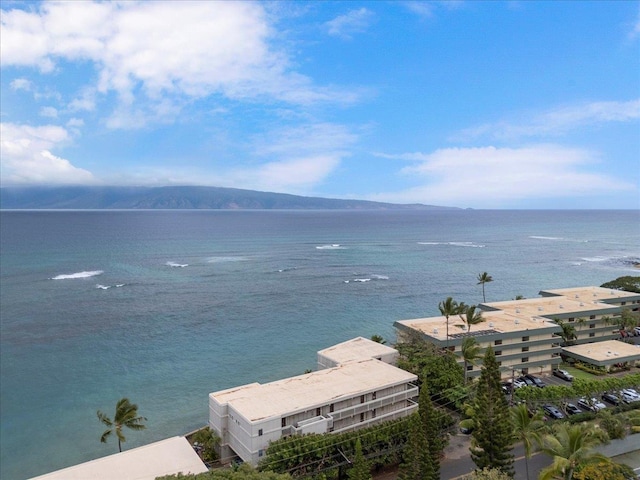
[553, 412]
[517, 383]
[610, 398]
[536, 380]
[527, 381]
[564, 375]
[636, 331]
[593, 405]
[572, 409]
[629, 397]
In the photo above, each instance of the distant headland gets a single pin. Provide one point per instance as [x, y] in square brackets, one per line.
[181, 197]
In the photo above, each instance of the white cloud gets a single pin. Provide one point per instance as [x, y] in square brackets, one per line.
[345, 26]
[635, 30]
[557, 121]
[49, 112]
[422, 9]
[21, 84]
[26, 157]
[175, 51]
[490, 177]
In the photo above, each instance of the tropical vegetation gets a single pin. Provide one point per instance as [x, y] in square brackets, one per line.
[126, 415]
[484, 278]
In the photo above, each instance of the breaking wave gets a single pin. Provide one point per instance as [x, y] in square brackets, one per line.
[333, 246]
[88, 274]
[177, 265]
[454, 244]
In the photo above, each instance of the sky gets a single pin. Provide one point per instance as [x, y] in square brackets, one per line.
[473, 104]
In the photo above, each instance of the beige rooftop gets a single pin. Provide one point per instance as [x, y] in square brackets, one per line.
[165, 457]
[605, 351]
[591, 293]
[499, 322]
[256, 402]
[545, 306]
[356, 349]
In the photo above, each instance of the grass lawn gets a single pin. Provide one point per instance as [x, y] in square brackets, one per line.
[577, 373]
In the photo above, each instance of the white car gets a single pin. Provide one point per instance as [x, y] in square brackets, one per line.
[629, 396]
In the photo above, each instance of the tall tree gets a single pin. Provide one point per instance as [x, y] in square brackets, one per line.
[570, 446]
[471, 315]
[449, 308]
[359, 467]
[417, 463]
[483, 278]
[493, 434]
[126, 416]
[470, 353]
[378, 339]
[526, 429]
[431, 428]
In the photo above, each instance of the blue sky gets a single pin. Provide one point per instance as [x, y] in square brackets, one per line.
[518, 104]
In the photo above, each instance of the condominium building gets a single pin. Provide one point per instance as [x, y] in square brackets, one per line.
[524, 333]
[593, 320]
[527, 344]
[358, 348]
[352, 395]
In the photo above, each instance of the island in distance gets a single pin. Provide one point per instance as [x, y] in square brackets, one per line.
[184, 197]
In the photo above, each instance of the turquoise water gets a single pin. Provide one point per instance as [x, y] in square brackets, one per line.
[164, 307]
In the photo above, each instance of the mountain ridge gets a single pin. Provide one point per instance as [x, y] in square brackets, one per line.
[179, 197]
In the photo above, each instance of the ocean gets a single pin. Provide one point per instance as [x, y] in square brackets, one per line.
[164, 307]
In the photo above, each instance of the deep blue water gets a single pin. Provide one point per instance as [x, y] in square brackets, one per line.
[166, 306]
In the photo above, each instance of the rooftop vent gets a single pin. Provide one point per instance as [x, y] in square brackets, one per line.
[540, 309]
[561, 306]
[581, 304]
[490, 324]
[516, 321]
[577, 296]
[435, 330]
[517, 310]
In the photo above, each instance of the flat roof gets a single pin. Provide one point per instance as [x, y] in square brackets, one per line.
[165, 457]
[359, 348]
[592, 293]
[546, 306]
[256, 401]
[604, 353]
[495, 322]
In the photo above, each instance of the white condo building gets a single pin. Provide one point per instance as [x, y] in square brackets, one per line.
[358, 392]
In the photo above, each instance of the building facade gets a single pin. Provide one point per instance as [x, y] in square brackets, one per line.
[352, 395]
[525, 334]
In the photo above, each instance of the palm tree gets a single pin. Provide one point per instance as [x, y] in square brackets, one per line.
[378, 339]
[526, 429]
[126, 416]
[449, 308]
[470, 315]
[470, 353]
[568, 333]
[570, 446]
[483, 278]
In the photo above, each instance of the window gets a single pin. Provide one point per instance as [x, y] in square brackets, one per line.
[572, 319]
[623, 303]
[499, 364]
[525, 349]
[260, 453]
[469, 368]
[592, 317]
[373, 413]
[592, 334]
[373, 396]
[361, 398]
[525, 359]
[362, 417]
[525, 339]
[498, 352]
[318, 412]
[525, 371]
[284, 422]
[331, 408]
[592, 325]
[260, 432]
[498, 342]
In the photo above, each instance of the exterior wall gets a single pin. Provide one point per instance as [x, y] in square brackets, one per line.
[249, 440]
